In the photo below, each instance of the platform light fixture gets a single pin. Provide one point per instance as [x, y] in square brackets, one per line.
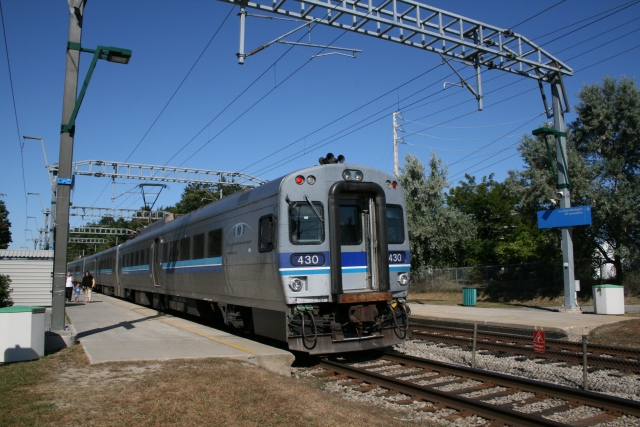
[108, 53]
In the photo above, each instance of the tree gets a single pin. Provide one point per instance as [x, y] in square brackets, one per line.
[437, 232]
[5, 291]
[606, 133]
[197, 195]
[501, 237]
[5, 226]
[603, 157]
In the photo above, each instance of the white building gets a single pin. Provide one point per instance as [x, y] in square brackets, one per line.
[31, 274]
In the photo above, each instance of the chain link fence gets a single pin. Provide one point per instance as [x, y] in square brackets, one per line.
[511, 282]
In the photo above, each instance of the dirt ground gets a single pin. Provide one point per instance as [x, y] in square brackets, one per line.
[63, 389]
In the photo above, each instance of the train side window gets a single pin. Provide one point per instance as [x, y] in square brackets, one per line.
[306, 223]
[136, 258]
[198, 246]
[184, 252]
[215, 243]
[350, 224]
[395, 224]
[145, 259]
[165, 252]
[173, 251]
[267, 233]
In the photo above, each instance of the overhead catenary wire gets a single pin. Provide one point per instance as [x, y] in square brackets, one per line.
[312, 25]
[279, 150]
[15, 110]
[292, 143]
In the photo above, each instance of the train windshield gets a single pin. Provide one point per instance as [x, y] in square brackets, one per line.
[395, 224]
[305, 223]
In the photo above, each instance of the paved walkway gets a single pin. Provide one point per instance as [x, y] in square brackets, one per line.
[112, 330]
[574, 325]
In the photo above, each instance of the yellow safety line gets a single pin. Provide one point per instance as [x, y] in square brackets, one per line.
[209, 336]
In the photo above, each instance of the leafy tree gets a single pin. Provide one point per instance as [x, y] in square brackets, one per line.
[501, 235]
[603, 156]
[5, 291]
[535, 187]
[606, 133]
[5, 226]
[197, 195]
[437, 232]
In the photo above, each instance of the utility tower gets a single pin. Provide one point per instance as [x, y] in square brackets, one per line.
[453, 38]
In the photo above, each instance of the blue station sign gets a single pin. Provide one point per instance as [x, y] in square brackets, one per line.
[564, 217]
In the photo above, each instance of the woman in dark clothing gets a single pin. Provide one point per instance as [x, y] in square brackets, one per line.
[88, 284]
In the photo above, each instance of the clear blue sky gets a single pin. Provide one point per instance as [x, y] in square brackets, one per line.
[296, 112]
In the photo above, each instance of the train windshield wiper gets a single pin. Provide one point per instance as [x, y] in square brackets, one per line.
[314, 209]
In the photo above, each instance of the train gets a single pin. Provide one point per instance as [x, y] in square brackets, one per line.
[318, 259]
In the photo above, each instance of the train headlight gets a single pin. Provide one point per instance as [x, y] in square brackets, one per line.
[352, 174]
[296, 285]
[311, 180]
[403, 279]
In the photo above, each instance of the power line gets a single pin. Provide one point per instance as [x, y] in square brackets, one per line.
[538, 14]
[175, 92]
[15, 110]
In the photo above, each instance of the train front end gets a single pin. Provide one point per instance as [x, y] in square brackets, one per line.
[343, 258]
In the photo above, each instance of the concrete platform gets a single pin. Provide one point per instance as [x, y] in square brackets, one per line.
[571, 324]
[112, 330]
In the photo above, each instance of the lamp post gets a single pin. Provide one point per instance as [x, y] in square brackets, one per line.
[70, 108]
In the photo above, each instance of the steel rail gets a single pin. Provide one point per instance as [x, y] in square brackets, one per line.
[611, 405]
[597, 400]
[459, 403]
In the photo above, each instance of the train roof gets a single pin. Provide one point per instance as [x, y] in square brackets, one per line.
[248, 195]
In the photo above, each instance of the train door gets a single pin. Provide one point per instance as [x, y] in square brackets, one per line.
[358, 238]
[358, 244]
[157, 274]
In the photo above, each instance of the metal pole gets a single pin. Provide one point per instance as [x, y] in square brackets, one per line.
[570, 303]
[473, 351]
[64, 181]
[584, 362]
[243, 16]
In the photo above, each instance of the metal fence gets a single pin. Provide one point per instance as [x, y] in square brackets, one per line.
[604, 363]
[518, 281]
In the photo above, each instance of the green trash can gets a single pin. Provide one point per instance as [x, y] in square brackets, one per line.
[469, 296]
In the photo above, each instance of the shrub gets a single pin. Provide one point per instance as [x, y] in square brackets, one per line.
[5, 290]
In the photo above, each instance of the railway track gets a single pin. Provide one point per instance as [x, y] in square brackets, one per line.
[503, 344]
[452, 392]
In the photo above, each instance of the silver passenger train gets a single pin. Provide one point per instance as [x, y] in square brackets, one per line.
[318, 259]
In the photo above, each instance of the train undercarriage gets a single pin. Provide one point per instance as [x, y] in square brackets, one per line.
[334, 327]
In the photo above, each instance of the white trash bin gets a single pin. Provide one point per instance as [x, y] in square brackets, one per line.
[608, 299]
[21, 333]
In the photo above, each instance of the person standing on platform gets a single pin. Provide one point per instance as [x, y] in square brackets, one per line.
[88, 284]
[77, 290]
[68, 287]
